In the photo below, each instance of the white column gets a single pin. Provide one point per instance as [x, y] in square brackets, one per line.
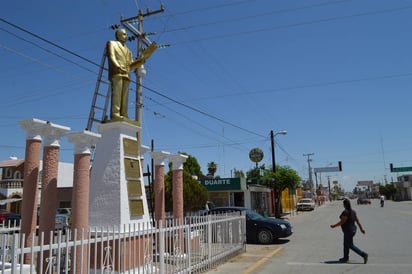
[31, 177]
[80, 195]
[143, 150]
[52, 134]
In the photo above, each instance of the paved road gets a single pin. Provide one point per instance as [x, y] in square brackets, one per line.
[315, 247]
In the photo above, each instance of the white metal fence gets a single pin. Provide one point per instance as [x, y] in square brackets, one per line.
[194, 246]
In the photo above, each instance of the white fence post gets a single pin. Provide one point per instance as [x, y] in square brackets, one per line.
[202, 242]
[161, 245]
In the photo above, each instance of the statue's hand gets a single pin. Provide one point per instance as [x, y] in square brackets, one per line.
[122, 69]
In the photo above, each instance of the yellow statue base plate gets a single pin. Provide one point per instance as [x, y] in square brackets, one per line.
[122, 119]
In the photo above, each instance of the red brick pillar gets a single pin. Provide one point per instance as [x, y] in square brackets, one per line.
[80, 195]
[159, 185]
[177, 166]
[177, 192]
[48, 204]
[31, 177]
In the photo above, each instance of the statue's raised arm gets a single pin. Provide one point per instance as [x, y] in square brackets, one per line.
[146, 54]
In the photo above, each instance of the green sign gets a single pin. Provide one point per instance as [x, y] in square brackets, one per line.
[221, 184]
[402, 169]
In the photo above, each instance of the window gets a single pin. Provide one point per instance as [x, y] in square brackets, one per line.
[8, 172]
[17, 175]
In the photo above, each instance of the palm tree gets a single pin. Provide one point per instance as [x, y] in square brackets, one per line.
[211, 169]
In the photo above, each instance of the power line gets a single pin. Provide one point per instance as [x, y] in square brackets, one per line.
[47, 50]
[49, 42]
[313, 22]
[150, 89]
[202, 112]
[267, 13]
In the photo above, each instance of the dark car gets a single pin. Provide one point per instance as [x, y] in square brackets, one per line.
[258, 228]
[364, 201]
[9, 218]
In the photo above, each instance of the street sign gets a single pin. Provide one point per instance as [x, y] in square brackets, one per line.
[402, 169]
[256, 155]
[326, 169]
[329, 168]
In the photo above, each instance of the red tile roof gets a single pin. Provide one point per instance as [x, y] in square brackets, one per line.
[11, 163]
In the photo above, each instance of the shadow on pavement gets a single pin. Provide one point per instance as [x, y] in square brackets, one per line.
[334, 262]
[339, 262]
[281, 241]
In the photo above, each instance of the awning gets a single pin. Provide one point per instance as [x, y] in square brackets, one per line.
[8, 201]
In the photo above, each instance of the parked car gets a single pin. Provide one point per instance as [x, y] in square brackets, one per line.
[364, 201]
[258, 228]
[64, 211]
[305, 204]
[9, 218]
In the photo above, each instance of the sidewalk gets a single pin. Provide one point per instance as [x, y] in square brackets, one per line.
[247, 262]
[254, 256]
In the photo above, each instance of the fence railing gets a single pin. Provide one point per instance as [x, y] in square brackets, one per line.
[194, 245]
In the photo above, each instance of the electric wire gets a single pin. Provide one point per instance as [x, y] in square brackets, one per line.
[287, 26]
[48, 51]
[267, 13]
[311, 85]
[150, 89]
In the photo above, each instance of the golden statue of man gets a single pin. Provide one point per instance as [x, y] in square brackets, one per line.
[120, 64]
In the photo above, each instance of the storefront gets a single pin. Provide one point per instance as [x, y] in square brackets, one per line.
[235, 192]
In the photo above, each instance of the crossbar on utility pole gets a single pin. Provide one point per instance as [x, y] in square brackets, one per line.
[141, 39]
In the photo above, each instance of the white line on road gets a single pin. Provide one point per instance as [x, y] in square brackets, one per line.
[354, 263]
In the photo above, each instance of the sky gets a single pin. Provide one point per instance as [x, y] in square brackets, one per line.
[336, 75]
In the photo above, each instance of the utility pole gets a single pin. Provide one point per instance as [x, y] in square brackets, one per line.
[140, 73]
[310, 172]
[276, 192]
[272, 141]
[330, 196]
[142, 40]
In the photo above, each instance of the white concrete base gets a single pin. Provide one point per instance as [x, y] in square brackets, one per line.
[26, 268]
[110, 200]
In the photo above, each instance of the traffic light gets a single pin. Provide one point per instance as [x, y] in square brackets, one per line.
[391, 167]
[340, 165]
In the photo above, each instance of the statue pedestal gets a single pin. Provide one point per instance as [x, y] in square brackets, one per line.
[117, 192]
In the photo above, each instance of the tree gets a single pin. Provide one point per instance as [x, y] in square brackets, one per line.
[284, 177]
[211, 169]
[238, 173]
[191, 165]
[388, 190]
[195, 195]
[254, 174]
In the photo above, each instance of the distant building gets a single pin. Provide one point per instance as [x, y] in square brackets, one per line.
[404, 187]
[12, 178]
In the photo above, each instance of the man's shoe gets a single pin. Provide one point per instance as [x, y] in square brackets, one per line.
[365, 258]
[343, 260]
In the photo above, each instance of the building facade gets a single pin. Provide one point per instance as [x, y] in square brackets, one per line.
[11, 184]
